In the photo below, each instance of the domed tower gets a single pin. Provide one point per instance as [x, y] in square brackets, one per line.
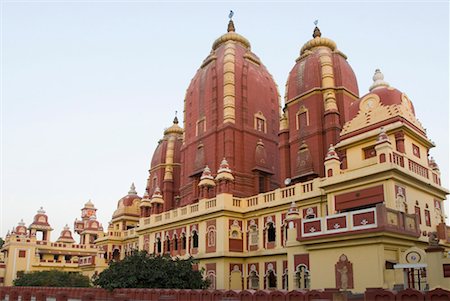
[319, 90]
[165, 171]
[40, 225]
[387, 107]
[80, 226]
[128, 206]
[21, 229]
[231, 108]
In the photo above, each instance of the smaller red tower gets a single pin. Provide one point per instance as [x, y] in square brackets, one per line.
[319, 91]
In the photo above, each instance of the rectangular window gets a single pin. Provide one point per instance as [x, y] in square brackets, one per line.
[369, 152]
[302, 120]
[262, 185]
[22, 253]
[260, 124]
[427, 218]
[416, 150]
[417, 210]
[201, 126]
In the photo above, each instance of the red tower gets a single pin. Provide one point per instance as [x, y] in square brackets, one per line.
[319, 91]
[164, 173]
[232, 112]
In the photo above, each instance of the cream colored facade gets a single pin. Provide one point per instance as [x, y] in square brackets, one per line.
[374, 220]
[30, 249]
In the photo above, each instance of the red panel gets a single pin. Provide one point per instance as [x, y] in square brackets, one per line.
[301, 259]
[363, 197]
[236, 245]
[341, 221]
[363, 219]
[307, 227]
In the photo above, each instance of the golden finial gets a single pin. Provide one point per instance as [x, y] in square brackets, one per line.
[230, 23]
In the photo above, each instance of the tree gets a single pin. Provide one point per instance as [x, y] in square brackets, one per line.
[1, 242]
[52, 278]
[141, 270]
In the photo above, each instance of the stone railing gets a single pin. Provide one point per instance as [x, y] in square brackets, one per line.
[130, 233]
[377, 218]
[273, 198]
[416, 168]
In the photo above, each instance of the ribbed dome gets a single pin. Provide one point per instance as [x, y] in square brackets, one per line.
[232, 89]
[306, 74]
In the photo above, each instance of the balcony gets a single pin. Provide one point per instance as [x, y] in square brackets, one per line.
[416, 168]
[374, 219]
[49, 263]
[86, 261]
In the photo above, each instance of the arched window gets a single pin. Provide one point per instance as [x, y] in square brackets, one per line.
[211, 277]
[302, 276]
[116, 255]
[183, 241]
[271, 233]
[253, 280]
[194, 239]
[211, 236]
[271, 279]
[158, 245]
[310, 213]
[253, 235]
[167, 243]
[286, 279]
[175, 242]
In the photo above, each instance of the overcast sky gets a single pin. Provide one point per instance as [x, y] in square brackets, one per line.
[87, 88]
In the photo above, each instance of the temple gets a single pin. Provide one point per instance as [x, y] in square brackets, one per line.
[334, 190]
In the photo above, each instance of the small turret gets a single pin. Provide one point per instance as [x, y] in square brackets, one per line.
[383, 147]
[224, 177]
[332, 162]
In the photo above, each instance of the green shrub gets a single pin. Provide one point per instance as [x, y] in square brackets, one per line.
[141, 270]
[52, 278]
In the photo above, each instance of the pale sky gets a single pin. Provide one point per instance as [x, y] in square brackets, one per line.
[87, 88]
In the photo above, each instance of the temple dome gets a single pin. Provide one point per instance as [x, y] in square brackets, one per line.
[129, 199]
[306, 73]
[382, 103]
[387, 95]
[128, 204]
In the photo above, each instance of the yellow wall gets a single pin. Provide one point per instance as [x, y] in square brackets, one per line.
[367, 263]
